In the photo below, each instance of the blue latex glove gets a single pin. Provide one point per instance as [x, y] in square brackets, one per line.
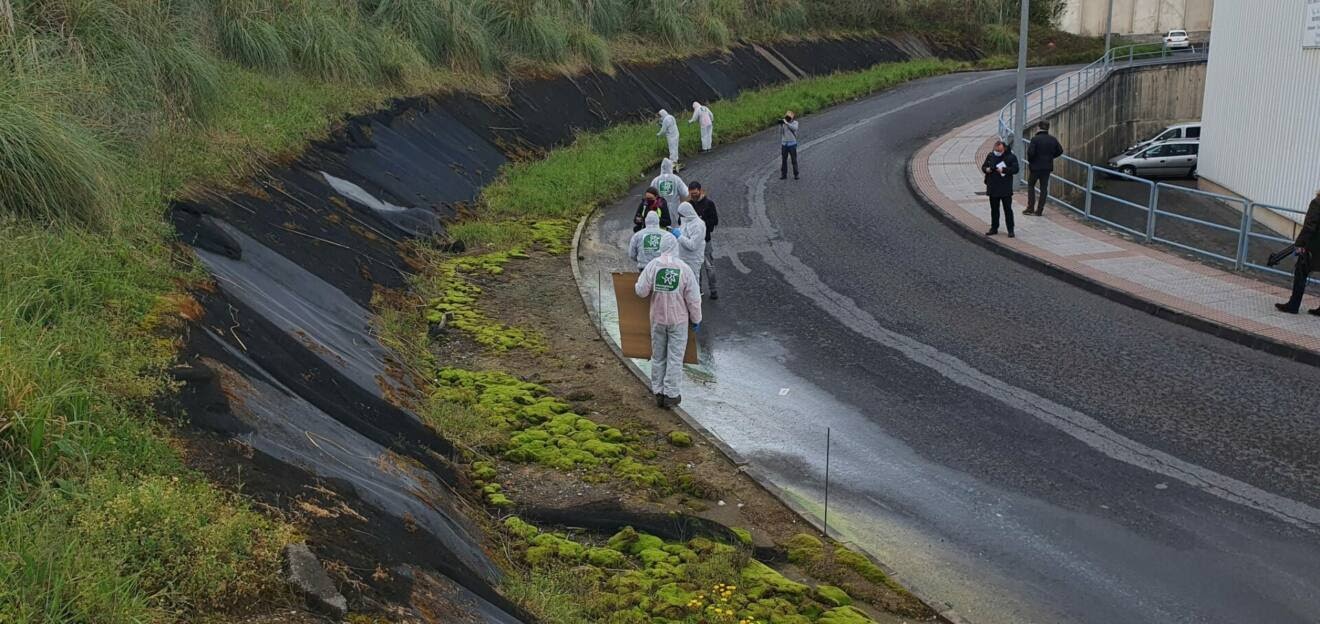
[678, 232]
[696, 327]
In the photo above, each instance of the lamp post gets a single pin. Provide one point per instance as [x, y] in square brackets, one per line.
[1020, 116]
[1109, 27]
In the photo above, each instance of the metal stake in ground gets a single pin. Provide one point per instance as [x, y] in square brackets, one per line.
[826, 522]
[600, 313]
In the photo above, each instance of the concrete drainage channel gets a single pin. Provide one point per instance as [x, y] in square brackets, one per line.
[281, 362]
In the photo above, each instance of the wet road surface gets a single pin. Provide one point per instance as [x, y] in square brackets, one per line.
[1020, 449]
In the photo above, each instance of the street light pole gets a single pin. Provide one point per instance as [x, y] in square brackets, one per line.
[1020, 116]
[1109, 27]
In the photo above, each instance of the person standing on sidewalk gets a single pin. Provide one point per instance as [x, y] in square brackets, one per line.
[1000, 168]
[675, 301]
[1308, 242]
[1041, 152]
[788, 144]
[705, 208]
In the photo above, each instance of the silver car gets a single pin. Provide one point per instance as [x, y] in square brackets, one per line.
[1167, 159]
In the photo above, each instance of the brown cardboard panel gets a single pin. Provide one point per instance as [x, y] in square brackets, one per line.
[635, 321]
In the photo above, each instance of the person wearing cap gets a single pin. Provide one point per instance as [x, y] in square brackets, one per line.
[1041, 152]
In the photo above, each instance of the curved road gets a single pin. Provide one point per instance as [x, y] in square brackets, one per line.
[1017, 448]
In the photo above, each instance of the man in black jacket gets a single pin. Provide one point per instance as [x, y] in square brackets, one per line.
[1041, 153]
[705, 208]
[1308, 242]
[1000, 167]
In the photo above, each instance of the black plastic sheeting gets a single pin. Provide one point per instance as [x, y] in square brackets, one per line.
[284, 357]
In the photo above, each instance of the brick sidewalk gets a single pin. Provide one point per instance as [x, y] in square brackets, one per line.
[947, 173]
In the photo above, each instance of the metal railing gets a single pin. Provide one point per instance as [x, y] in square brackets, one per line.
[1082, 198]
[1044, 100]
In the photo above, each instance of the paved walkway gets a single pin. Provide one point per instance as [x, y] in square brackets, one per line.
[947, 173]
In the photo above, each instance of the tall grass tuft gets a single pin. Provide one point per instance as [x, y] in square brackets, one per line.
[665, 19]
[606, 17]
[51, 167]
[591, 47]
[254, 42]
[714, 31]
[390, 58]
[323, 46]
[528, 28]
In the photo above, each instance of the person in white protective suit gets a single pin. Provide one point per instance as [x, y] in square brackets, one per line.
[701, 113]
[671, 187]
[669, 130]
[645, 244]
[675, 298]
[691, 235]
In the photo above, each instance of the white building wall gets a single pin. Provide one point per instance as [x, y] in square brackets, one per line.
[1261, 119]
[1137, 17]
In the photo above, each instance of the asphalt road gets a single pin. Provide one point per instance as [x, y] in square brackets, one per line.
[1017, 448]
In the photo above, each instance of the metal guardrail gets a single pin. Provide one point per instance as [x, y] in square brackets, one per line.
[1045, 100]
[1049, 98]
[1084, 196]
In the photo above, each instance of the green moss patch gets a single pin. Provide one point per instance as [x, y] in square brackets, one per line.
[680, 439]
[451, 292]
[539, 428]
[637, 577]
[850, 574]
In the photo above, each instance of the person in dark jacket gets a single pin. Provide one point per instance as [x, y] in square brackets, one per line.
[1000, 167]
[1308, 242]
[1041, 152]
[705, 208]
[651, 201]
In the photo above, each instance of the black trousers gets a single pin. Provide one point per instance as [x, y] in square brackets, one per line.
[997, 203]
[1043, 179]
[785, 152]
[1300, 274]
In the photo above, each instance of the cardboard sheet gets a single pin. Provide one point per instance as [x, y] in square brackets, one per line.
[635, 321]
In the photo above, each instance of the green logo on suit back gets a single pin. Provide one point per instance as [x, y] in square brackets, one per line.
[651, 243]
[667, 280]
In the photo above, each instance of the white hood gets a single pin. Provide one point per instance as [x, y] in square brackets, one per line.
[666, 167]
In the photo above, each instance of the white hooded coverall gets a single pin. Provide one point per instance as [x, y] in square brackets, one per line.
[645, 244]
[669, 130]
[671, 187]
[675, 302]
[702, 113]
[692, 239]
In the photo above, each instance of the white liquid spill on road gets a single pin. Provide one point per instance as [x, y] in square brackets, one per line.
[763, 238]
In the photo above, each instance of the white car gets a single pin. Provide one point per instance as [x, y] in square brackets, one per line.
[1190, 130]
[1177, 40]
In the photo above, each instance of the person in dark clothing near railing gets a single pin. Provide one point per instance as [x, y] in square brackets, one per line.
[1041, 152]
[1308, 242]
[1000, 168]
[651, 201]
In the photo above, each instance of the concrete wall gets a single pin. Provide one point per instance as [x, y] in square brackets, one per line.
[1137, 17]
[1262, 104]
[1131, 105]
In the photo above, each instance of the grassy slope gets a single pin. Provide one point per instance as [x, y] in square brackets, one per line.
[107, 109]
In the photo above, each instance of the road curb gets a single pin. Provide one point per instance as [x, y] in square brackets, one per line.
[759, 477]
[1174, 315]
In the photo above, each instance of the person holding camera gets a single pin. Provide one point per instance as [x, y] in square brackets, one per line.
[788, 144]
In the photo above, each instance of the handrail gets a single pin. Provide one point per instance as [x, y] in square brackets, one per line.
[1062, 91]
[1079, 82]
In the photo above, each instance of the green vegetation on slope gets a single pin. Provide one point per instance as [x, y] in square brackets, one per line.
[108, 108]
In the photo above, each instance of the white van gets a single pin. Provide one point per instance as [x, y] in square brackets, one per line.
[1190, 130]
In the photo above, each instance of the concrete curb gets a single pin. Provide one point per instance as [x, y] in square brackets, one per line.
[1181, 317]
[759, 477]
